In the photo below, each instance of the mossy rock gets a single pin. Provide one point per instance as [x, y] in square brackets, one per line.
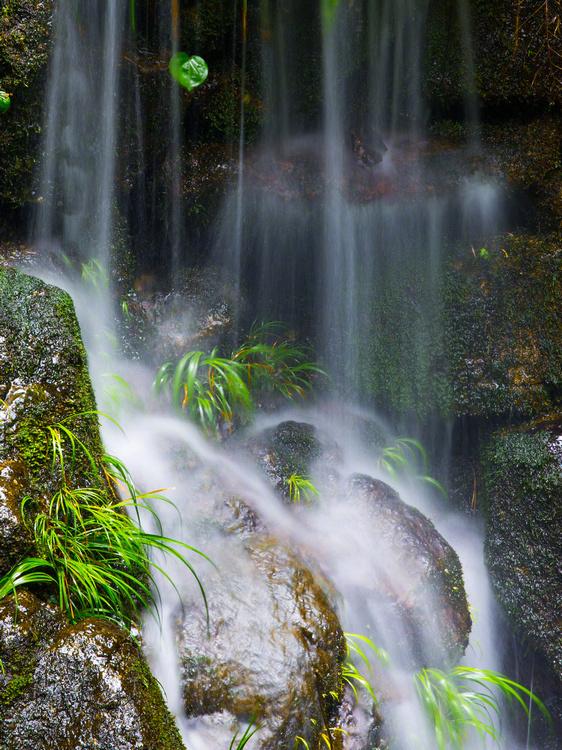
[90, 676]
[44, 380]
[25, 35]
[529, 156]
[523, 491]
[273, 650]
[504, 327]
[291, 448]
[514, 55]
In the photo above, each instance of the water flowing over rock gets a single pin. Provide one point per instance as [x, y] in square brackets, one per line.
[290, 448]
[75, 686]
[429, 588]
[272, 650]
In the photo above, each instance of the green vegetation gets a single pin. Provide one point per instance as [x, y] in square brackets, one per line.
[350, 672]
[215, 391]
[301, 489]
[4, 101]
[93, 554]
[407, 457]
[465, 700]
[189, 72]
[239, 744]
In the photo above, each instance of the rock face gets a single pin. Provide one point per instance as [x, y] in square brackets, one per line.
[75, 687]
[429, 591]
[78, 686]
[25, 30]
[272, 652]
[43, 380]
[289, 448]
[523, 543]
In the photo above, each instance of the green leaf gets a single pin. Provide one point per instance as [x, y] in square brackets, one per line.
[4, 101]
[189, 72]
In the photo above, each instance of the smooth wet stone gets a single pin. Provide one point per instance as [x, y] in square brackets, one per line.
[419, 574]
[273, 649]
[75, 687]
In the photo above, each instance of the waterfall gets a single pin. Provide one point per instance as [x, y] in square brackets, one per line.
[338, 225]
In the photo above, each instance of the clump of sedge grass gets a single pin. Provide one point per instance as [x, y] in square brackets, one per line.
[93, 554]
[407, 457]
[301, 489]
[351, 674]
[215, 391]
[240, 743]
[466, 701]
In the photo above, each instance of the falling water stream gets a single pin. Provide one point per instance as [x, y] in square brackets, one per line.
[320, 258]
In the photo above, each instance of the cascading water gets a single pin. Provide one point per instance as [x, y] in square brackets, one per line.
[329, 229]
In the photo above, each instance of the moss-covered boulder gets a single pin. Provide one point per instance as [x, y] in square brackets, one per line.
[416, 575]
[503, 327]
[523, 482]
[272, 650]
[290, 448]
[44, 381]
[25, 33]
[75, 686]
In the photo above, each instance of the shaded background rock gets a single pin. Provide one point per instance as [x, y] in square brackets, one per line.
[523, 484]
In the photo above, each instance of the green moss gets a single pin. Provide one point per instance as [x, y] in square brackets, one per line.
[16, 687]
[44, 375]
[523, 494]
[504, 328]
[511, 67]
[25, 27]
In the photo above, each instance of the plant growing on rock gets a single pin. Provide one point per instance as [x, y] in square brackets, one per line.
[89, 549]
[239, 744]
[407, 457]
[215, 391]
[464, 701]
[301, 489]
[355, 650]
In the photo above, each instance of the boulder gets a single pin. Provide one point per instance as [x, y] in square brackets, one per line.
[272, 650]
[44, 380]
[75, 686]
[523, 485]
[418, 576]
[290, 448]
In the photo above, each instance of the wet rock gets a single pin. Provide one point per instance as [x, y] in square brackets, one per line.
[44, 379]
[15, 538]
[25, 33]
[422, 576]
[523, 482]
[503, 327]
[75, 686]
[273, 649]
[197, 314]
[290, 448]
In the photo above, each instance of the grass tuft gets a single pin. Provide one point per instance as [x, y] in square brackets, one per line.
[91, 546]
[215, 391]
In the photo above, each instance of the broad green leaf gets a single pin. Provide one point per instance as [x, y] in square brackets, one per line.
[189, 72]
[4, 101]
